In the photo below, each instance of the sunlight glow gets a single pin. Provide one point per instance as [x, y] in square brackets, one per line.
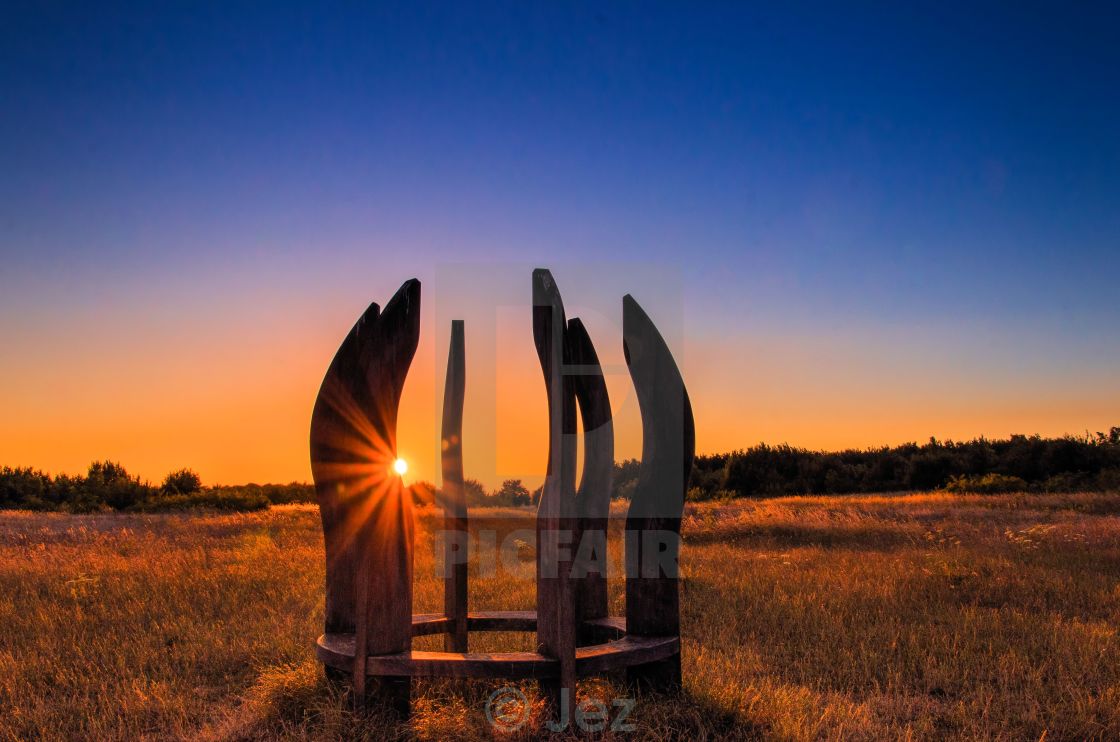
[400, 466]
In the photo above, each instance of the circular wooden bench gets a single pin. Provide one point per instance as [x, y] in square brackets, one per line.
[616, 652]
[368, 523]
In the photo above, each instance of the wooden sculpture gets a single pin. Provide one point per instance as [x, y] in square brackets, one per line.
[368, 526]
[366, 513]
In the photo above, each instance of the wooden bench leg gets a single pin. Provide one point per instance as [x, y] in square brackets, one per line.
[556, 511]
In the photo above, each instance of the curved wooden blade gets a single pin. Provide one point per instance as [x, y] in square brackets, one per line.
[549, 335]
[668, 445]
[556, 625]
[598, 424]
[593, 498]
[454, 498]
[367, 520]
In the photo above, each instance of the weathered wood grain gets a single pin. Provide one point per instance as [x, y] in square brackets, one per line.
[556, 622]
[629, 651]
[654, 519]
[605, 629]
[427, 624]
[454, 498]
[502, 620]
[367, 515]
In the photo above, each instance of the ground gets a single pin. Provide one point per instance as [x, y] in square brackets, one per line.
[921, 616]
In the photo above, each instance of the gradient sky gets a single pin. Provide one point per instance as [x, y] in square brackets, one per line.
[856, 225]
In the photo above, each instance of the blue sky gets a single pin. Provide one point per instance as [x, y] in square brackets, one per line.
[907, 147]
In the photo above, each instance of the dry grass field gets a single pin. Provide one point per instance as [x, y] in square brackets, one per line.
[912, 617]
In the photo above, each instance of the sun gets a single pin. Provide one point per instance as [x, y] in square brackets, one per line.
[400, 466]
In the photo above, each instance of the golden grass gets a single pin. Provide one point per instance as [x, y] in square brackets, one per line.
[924, 616]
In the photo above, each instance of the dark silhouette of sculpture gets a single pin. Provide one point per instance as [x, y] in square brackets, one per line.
[368, 529]
[367, 515]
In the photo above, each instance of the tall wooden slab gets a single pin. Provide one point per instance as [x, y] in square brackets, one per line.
[593, 498]
[366, 512]
[454, 498]
[654, 520]
[556, 623]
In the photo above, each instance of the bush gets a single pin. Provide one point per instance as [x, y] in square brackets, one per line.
[512, 492]
[1069, 482]
[181, 482]
[988, 484]
[292, 492]
[225, 498]
[73, 494]
[20, 487]
[278, 494]
[474, 492]
[696, 494]
[425, 493]
[625, 491]
[108, 483]
[626, 478]
[1109, 479]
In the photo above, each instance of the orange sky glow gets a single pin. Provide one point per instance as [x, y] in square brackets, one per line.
[230, 395]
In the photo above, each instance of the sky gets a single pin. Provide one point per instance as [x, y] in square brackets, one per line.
[855, 224]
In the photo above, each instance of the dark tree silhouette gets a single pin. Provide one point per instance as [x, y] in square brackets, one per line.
[181, 482]
[513, 492]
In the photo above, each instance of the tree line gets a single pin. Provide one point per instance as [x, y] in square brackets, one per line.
[107, 486]
[1018, 463]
